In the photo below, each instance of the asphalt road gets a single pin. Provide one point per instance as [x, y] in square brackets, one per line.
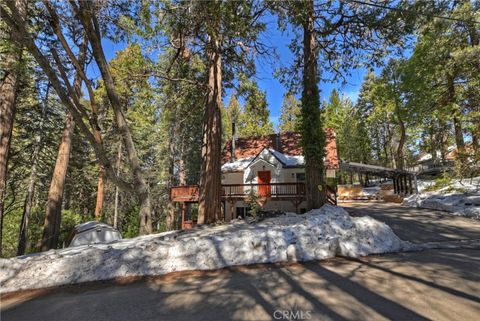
[418, 225]
[430, 285]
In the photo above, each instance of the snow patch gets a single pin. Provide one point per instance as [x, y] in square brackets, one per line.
[288, 160]
[318, 234]
[237, 165]
[465, 203]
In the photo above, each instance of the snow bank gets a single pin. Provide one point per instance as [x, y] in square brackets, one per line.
[318, 234]
[455, 203]
[467, 185]
[459, 198]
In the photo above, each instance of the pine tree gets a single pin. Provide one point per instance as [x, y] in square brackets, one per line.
[289, 114]
[11, 62]
[255, 118]
[232, 113]
[219, 32]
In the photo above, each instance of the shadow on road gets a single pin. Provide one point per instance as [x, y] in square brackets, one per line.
[439, 285]
[418, 225]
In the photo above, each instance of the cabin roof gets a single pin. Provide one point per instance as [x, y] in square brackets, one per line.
[284, 145]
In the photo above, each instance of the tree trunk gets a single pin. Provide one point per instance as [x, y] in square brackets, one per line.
[89, 22]
[433, 145]
[51, 227]
[313, 137]
[100, 194]
[115, 210]
[209, 207]
[457, 124]
[27, 208]
[385, 145]
[171, 208]
[401, 142]
[53, 216]
[8, 98]
[475, 141]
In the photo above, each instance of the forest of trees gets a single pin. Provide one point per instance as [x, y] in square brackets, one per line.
[90, 134]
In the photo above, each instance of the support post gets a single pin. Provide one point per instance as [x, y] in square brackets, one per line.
[410, 184]
[416, 183]
[232, 209]
[183, 209]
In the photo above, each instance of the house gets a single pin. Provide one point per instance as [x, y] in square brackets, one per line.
[427, 164]
[269, 169]
[272, 167]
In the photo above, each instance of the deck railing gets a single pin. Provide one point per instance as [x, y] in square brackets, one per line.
[190, 193]
[272, 190]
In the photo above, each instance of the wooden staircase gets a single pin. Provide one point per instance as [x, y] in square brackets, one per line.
[331, 195]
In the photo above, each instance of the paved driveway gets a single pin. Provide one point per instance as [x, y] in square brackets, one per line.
[418, 225]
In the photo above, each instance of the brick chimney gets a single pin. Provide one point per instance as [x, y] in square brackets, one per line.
[278, 143]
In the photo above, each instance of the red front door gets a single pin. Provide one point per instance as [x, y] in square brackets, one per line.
[264, 177]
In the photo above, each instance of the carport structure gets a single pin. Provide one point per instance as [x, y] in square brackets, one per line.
[404, 182]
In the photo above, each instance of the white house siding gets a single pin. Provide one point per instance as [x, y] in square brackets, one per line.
[290, 176]
[287, 175]
[232, 178]
[265, 161]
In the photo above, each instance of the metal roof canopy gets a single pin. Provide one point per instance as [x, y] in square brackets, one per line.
[373, 169]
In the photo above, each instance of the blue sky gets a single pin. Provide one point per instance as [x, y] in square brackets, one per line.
[275, 90]
[266, 68]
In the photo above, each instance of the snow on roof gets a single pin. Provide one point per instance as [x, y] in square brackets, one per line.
[242, 163]
[288, 160]
[238, 165]
[425, 157]
[428, 156]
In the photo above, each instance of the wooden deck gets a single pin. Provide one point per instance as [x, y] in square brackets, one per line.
[236, 192]
[293, 192]
[273, 191]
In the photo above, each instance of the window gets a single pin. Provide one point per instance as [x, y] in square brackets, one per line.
[300, 177]
[241, 212]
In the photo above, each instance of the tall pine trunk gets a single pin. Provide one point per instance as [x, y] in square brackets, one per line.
[475, 42]
[51, 226]
[475, 139]
[117, 190]
[53, 215]
[171, 208]
[100, 194]
[210, 207]
[8, 99]
[27, 207]
[403, 136]
[457, 124]
[313, 137]
[28, 204]
[89, 22]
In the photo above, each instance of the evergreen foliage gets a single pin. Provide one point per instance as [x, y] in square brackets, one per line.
[289, 113]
